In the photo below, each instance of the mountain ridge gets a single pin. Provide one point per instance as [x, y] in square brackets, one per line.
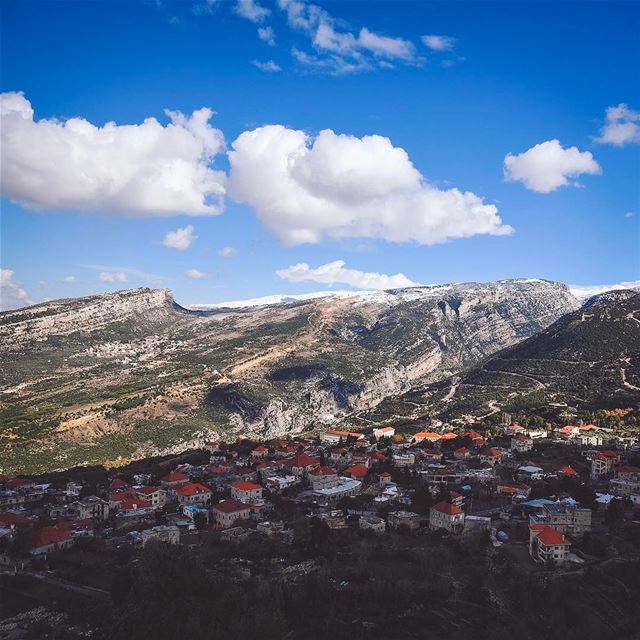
[133, 373]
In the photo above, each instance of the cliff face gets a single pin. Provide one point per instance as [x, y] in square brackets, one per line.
[96, 378]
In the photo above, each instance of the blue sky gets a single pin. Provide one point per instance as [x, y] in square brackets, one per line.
[503, 78]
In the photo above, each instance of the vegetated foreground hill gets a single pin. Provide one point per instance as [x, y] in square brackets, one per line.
[129, 374]
[588, 359]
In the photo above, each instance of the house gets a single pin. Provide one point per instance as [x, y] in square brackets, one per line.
[259, 452]
[476, 524]
[91, 507]
[567, 432]
[601, 465]
[404, 519]
[565, 517]
[128, 501]
[277, 484]
[426, 435]
[432, 455]
[227, 512]
[383, 432]
[447, 516]
[246, 491]
[456, 498]
[174, 480]
[155, 495]
[193, 511]
[521, 443]
[193, 493]
[529, 472]
[50, 539]
[568, 472]
[626, 482]
[340, 455]
[490, 455]
[358, 471]
[384, 479]
[591, 439]
[334, 437]
[461, 453]
[169, 534]
[513, 489]
[301, 464]
[403, 459]
[372, 523]
[343, 489]
[547, 545]
[323, 477]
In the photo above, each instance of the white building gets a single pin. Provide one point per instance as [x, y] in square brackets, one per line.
[162, 533]
[447, 516]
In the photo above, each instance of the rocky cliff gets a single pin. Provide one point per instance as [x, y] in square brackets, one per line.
[110, 377]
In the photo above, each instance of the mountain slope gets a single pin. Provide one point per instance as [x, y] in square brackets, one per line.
[131, 373]
[589, 359]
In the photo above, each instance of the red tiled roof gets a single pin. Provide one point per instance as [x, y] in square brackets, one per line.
[8, 519]
[175, 477]
[427, 435]
[51, 535]
[192, 489]
[230, 505]
[147, 491]
[302, 460]
[358, 471]
[118, 483]
[568, 471]
[324, 471]
[448, 436]
[448, 508]
[246, 486]
[548, 535]
[385, 474]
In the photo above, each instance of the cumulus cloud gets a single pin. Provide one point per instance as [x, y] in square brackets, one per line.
[108, 276]
[336, 272]
[548, 166]
[439, 43]
[69, 279]
[12, 294]
[194, 274]
[305, 188]
[147, 169]
[251, 10]
[180, 239]
[267, 35]
[338, 49]
[622, 126]
[628, 214]
[269, 66]
[227, 252]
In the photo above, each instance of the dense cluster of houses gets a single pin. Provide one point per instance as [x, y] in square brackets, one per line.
[236, 490]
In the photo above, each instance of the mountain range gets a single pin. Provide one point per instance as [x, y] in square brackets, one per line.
[108, 378]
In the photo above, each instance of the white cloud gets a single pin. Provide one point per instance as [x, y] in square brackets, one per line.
[251, 10]
[334, 272]
[69, 279]
[269, 66]
[629, 214]
[622, 125]
[304, 188]
[227, 252]
[180, 239]
[109, 276]
[586, 291]
[439, 43]
[12, 294]
[143, 170]
[128, 271]
[548, 166]
[194, 274]
[267, 35]
[339, 50]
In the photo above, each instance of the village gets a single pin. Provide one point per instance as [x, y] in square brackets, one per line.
[553, 493]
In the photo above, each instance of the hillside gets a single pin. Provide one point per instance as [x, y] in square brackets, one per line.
[588, 359]
[131, 373]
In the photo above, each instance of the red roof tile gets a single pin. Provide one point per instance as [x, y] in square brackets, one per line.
[246, 486]
[230, 505]
[448, 508]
